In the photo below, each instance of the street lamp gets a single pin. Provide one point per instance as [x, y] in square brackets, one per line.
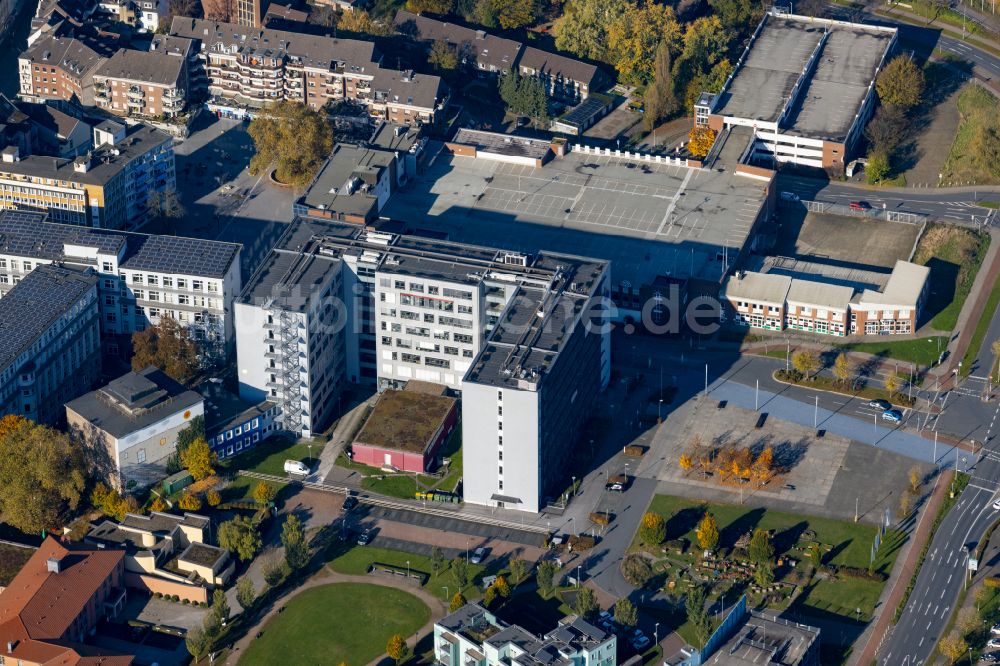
[446, 595]
[659, 411]
[573, 518]
[467, 542]
[578, 567]
[574, 486]
[407, 571]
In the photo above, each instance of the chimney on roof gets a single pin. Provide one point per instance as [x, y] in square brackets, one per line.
[53, 565]
[81, 165]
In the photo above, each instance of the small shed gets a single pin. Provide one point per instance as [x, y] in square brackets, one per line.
[178, 481]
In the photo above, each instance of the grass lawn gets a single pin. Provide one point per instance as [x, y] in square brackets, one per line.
[979, 334]
[452, 450]
[397, 485]
[12, 558]
[269, 456]
[965, 163]
[923, 351]
[954, 255]
[343, 622]
[355, 560]
[241, 489]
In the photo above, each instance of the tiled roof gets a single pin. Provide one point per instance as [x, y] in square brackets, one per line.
[155, 67]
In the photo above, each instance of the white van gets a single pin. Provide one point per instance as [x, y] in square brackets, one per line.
[296, 467]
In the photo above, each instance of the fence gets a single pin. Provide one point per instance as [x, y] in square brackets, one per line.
[624, 154]
[402, 505]
[830, 208]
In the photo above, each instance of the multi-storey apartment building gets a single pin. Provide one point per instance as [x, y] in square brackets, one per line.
[142, 83]
[392, 308]
[50, 349]
[142, 277]
[774, 301]
[253, 67]
[473, 635]
[107, 188]
[59, 68]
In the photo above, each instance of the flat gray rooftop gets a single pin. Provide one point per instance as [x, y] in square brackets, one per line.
[846, 68]
[648, 219]
[766, 640]
[761, 87]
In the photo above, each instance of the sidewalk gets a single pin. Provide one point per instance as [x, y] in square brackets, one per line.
[969, 316]
[340, 436]
[899, 580]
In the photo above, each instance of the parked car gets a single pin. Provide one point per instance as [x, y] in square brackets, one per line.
[990, 658]
[860, 205]
[478, 555]
[893, 415]
[995, 629]
[789, 196]
[993, 643]
[605, 615]
[640, 643]
[365, 538]
[879, 403]
[296, 467]
[350, 502]
[617, 483]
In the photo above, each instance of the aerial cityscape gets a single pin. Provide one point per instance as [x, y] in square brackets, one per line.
[499, 332]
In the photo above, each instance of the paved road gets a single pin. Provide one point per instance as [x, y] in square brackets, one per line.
[941, 578]
[944, 205]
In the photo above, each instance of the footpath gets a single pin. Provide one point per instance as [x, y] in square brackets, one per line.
[894, 591]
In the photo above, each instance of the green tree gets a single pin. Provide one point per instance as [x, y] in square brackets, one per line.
[246, 595]
[264, 493]
[764, 575]
[707, 532]
[42, 475]
[842, 369]
[189, 501]
[887, 129]
[582, 28]
[438, 562]
[457, 601]
[293, 138]
[953, 647]
[397, 648]
[652, 529]
[220, 605]
[484, 12]
[545, 577]
[213, 498]
[164, 208]
[892, 383]
[167, 346]
[697, 614]
[273, 570]
[877, 168]
[502, 586]
[460, 572]
[199, 459]
[430, 6]
[900, 83]
[241, 537]
[737, 16]
[761, 550]
[635, 36]
[513, 14]
[197, 643]
[212, 625]
[443, 56]
[518, 570]
[195, 429]
[586, 603]
[626, 614]
[705, 45]
[359, 21]
[489, 596]
[293, 538]
[806, 361]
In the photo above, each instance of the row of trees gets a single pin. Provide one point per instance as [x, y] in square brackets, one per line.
[900, 87]
[524, 96]
[506, 14]
[808, 362]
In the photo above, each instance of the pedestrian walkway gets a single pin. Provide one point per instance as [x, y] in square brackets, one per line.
[341, 436]
[327, 576]
[896, 440]
[899, 580]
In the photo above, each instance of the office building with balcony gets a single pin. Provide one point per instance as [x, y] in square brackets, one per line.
[59, 68]
[107, 188]
[150, 84]
[50, 342]
[142, 277]
[472, 636]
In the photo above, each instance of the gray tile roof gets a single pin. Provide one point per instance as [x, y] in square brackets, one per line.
[35, 303]
[488, 51]
[554, 64]
[24, 234]
[312, 50]
[72, 55]
[106, 410]
[150, 67]
[407, 87]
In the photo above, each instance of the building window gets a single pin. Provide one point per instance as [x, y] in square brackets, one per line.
[141, 455]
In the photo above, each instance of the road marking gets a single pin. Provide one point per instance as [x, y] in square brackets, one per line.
[948, 582]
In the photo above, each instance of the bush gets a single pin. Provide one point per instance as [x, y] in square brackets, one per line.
[600, 518]
[213, 498]
[159, 595]
[992, 581]
[203, 604]
[854, 572]
[185, 601]
[652, 529]
[636, 570]
[175, 598]
[634, 451]
[582, 542]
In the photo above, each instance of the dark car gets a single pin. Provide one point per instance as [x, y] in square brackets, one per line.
[478, 555]
[893, 415]
[365, 538]
[350, 503]
[879, 403]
